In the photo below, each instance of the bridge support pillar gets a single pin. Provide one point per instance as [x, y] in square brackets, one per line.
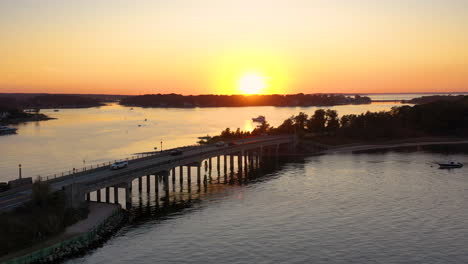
[116, 194]
[156, 185]
[224, 164]
[165, 175]
[75, 195]
[128, 195]
[189, 176]
[218, 159]
[257, 160]
[181, 176]
[198, 176]
[210, 163]
[107, 195]
[98, 195]
[231, 161]
[173, 179]
[239, 162]
[246, 165]
[88, 196]
[260, 154]
[140, 184]
[148, 184]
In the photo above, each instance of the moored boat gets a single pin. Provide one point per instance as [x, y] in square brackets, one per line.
[7, 130]
[450, 165]
[259, 118]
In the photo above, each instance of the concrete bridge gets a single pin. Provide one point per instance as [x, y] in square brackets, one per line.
[78, 186]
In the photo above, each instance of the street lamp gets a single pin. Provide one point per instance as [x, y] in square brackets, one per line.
[161, 145]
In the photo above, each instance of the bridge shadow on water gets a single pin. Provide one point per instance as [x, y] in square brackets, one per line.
[153, 207]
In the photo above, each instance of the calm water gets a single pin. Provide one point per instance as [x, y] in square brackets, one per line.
[84, 137]
[381, 207]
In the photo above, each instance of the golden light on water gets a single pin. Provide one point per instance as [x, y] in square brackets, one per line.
[252, 83]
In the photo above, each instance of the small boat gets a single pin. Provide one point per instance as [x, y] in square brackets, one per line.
[7, 130]
[56, 110]
[259, 119]
[450, 165]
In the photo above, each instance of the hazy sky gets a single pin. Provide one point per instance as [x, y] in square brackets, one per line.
[207, 46]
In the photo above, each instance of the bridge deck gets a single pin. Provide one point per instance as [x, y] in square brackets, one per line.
[104, 177]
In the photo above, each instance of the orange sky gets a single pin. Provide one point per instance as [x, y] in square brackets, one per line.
[208, 46]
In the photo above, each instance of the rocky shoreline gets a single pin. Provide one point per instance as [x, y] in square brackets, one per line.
[79, 244]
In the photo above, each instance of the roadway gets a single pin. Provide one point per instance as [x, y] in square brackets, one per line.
[15, 199]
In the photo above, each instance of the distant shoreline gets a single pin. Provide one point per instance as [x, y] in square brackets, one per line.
[34, 118]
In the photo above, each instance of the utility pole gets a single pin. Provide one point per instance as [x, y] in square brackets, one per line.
[19, 168]
[161, 146]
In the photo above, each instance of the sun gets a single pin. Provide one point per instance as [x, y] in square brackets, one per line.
[252, 83]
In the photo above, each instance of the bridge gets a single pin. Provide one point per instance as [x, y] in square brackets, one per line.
[245, 154]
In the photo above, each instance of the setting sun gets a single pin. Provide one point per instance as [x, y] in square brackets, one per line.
[252, 83]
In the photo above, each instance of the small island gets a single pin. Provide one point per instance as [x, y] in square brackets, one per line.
[191, 101]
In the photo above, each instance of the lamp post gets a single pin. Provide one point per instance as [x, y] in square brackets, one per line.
[161, 145]
[19, 170]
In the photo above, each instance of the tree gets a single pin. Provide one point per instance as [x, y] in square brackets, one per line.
[286, 127]
[317, 122]
[300, 121]
[332, 121]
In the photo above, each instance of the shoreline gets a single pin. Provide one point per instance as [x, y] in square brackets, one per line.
[102, 221]
[34, 118]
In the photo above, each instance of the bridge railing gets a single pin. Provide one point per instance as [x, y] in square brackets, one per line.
[93, 168]
[105, 165]
[178, 161]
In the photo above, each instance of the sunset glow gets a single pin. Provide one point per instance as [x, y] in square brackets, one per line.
[332, 46]
[252, 83]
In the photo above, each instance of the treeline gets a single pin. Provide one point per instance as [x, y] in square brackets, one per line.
[441, 118]
[44, 216]
[177, 100]
[12, 104]
[433, 98]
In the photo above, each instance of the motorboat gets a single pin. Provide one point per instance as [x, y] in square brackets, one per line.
[259, 119]
[7, 130]
[450, 165]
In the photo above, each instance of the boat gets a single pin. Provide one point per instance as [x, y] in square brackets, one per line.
[56, 110]
[7, 130]
[259, 119]
[450, 165]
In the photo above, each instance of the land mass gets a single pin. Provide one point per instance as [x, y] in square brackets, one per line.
[432, 98]
[189, 101]
[21, 108]
[436, 119]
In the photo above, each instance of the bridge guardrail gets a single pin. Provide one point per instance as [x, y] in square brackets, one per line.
[105, 165]
[177, 162]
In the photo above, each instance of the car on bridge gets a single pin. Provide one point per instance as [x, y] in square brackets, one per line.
[220, 144]
[176, 152]
[119, 165]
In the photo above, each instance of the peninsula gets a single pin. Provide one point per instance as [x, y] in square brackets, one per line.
[190, 101]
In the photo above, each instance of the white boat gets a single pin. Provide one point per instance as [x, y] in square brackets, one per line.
[7, 130]
[450, 165]
[259, 119]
